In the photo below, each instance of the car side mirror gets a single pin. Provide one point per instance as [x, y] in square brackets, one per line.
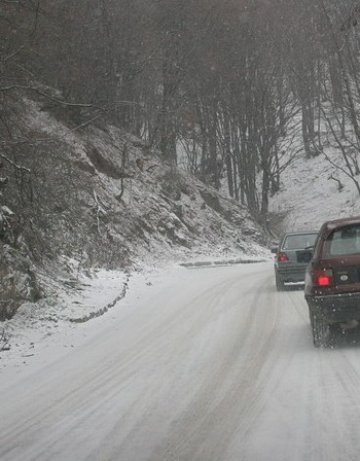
[274, 250]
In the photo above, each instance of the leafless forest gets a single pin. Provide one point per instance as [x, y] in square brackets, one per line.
[230, 89]
[223, 79]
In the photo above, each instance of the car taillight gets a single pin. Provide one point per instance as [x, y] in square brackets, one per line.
[282, 258]
[323, 278]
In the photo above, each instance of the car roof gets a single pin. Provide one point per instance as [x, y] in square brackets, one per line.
[337, 223]
[304, 232]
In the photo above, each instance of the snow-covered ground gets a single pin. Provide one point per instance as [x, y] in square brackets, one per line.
[56, 322]
[55, 319]
[201, 364]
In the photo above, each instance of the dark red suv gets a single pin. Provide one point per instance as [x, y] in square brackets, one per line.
[332, 279]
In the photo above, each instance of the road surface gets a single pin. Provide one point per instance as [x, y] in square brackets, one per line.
[206, 365]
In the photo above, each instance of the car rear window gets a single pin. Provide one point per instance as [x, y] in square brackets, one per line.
[299, 241]
[344, 241]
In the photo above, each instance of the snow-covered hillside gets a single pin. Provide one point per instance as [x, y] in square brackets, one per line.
[309, 196]
[107, 208]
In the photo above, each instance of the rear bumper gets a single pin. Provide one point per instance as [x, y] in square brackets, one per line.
[336, 308]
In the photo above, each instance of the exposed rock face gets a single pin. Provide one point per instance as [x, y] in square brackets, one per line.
[18, 281]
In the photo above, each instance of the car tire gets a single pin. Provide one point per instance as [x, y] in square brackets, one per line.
[279, 283]
[321, 331]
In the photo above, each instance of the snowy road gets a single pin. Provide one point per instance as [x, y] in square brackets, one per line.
[205, 365]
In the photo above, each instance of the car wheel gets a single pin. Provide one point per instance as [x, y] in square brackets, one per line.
[279, 283]
[321, 331]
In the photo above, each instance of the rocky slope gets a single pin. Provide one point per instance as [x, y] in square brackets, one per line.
[90, 192]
